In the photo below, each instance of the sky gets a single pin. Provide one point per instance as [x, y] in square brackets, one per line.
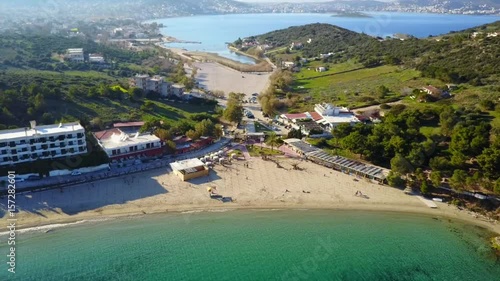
[271, 1]
[296, 1]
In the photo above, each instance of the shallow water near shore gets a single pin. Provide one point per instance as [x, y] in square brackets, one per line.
[259, 245]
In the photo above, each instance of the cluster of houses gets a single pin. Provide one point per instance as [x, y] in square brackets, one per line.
[128, 32]
[250, 42]
[122, 142]
[294, 66]
[489, 34]
[78, 55]
[321, 121]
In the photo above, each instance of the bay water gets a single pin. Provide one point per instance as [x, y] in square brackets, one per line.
[213, 31]
[259, 245]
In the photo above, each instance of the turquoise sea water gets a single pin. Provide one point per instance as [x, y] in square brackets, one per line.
[259, 245]
[214, 31]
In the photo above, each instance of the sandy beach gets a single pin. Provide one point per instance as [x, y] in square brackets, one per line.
[261, 185]
[214, 76]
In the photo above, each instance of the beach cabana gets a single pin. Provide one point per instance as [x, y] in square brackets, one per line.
[348, 166]
[190, 168]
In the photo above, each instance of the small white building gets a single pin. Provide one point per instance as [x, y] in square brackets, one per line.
[331, 115]
[75, 55]
[96, 58]
[189, 169]
[323, 56]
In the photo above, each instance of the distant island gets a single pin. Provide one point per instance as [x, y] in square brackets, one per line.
[350, 14]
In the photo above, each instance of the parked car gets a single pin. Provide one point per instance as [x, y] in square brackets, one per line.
[33, 178]
[255, 94]
[75, 173]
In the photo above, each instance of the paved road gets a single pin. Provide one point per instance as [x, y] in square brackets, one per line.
[115, 171]
[255, 108]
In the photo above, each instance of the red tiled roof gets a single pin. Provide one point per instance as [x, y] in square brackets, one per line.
[106, 134]
[315, 116]
[296, 116]
[361, 117]
[128, 124]
[181, 139]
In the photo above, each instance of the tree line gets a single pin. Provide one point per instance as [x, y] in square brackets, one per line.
[465, 151]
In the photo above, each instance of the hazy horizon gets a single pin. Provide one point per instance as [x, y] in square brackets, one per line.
[298, 1]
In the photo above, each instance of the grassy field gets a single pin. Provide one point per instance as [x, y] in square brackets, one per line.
[87, 74]
[310, 72]
[349, 84]
[125, 110]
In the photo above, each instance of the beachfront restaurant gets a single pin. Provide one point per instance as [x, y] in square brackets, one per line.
[348, 166]
[189, 169]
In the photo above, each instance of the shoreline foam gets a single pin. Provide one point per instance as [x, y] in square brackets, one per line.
[461, 216]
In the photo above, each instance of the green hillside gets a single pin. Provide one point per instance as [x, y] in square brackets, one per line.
[453, 58]
[324, 38]
[36, 83]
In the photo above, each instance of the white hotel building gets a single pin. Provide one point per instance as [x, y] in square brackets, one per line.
[41, 142]
[332, 115]
[75, 55]
[120, 144]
